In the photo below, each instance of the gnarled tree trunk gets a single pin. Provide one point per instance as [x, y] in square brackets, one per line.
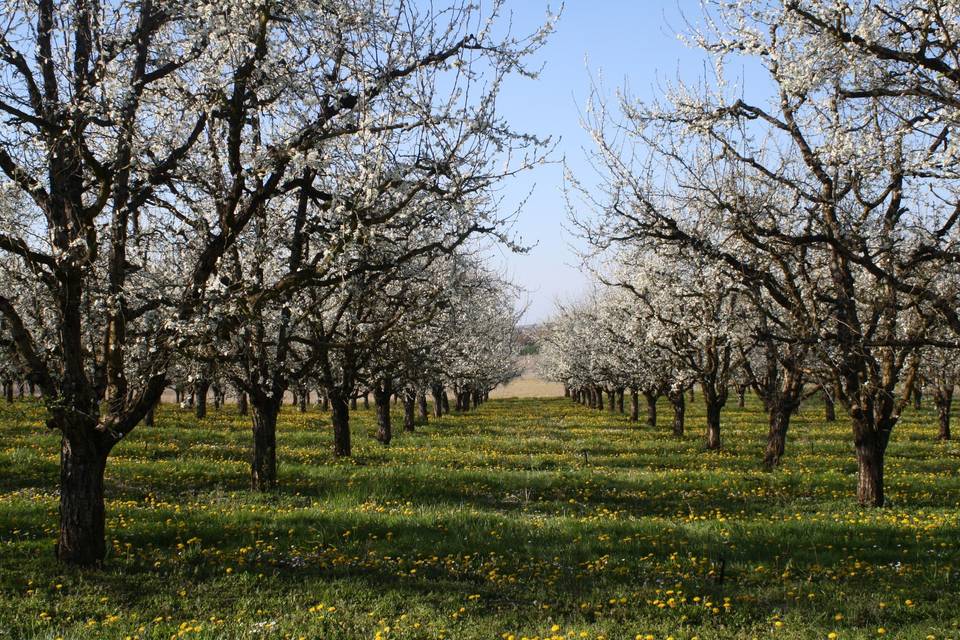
[634, 405]
[651, 399]
[409, 411]
[777, 435]
[200, 390]
[82, 514]
[713, 423]
[340, 417]
[943, 399]
[263, 469]
[381, 399]
[422, 412]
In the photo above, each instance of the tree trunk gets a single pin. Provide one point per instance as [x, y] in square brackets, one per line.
[353, 403]
[366, 400]
[381, 399]
[943, 399]
[634, 405]
[620, 400]
[263, 469]
[651, 409]
[829, 407]
[148, 419]
[242, 407]
[917, 396]
[422, 412]
[777, 437]
[437, 392]
[445, 399]
[741, 396]
[870, 452]
[200, 391]
[340, 417]
[324, 401]
[82, 514]
[713, 425]
[611, 401]
[679, 403]
[409, 411]
[8, 391]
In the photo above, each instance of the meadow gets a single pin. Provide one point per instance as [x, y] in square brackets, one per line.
[523, 519]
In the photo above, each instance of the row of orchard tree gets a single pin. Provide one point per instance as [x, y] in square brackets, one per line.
[280, 195]
[804, 238]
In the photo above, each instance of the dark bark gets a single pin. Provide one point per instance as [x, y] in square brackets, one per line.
[870, 451]
[741, 395]
[917, 396]
[148, 419]
[437, 392]
[200, 392]
[679, 403]
[263, 469]
[445, 399]
[422, 413]
[943, 399]
[353, 403]
[303, 397]
[82, 514]
[366, 400]
[651, 399]
[381, 399]
[611, 401]
[779, 420]
[829, 407]
[634, 405]
[409, 411]
[620, 400]
[713, 424]
[340, 417]
[242, 407]
[8, 391]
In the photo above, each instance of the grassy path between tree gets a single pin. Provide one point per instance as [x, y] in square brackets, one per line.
[527, 518]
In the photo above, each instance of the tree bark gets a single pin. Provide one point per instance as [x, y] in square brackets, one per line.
[340, 417]
[713, 425]
[242, 407]
[82, 514]
[445, 400]
[870, 451]
[422, 412]
[651, 409]
[679, 403]
[829, 407]
[148, 419]
[263, 469]
[943, 398]
[917, 396]
[409, 411]
[741, 395]
[437, 392]
[777, 436]
[381, 399]
[620, 400]
[200, 392]
[8, 391]
[634, 405]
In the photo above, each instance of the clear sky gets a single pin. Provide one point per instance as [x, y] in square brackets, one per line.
[625, 41]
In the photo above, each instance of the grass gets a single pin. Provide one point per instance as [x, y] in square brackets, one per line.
[527, 518]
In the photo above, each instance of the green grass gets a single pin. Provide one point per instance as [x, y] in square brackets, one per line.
[526, 518]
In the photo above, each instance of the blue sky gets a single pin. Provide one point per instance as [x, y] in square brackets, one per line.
[632, 42]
